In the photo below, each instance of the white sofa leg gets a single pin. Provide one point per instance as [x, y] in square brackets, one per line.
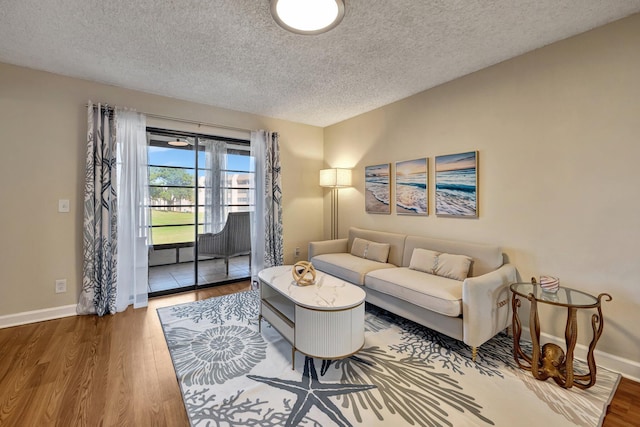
[474, 353]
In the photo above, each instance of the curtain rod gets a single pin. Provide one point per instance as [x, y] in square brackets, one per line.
[177, 119]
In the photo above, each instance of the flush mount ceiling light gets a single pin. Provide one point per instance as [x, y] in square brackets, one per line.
[307, 16]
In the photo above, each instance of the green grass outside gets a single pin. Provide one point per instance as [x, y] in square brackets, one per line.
[175, 234]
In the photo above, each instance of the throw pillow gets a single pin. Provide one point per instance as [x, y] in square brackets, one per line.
[370, 250]
[453, 266]
[377, 252]
[358, 247]
[441, 264]
[424, 260]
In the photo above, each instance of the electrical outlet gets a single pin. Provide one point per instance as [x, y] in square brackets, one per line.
[61, 286]
[297, 252]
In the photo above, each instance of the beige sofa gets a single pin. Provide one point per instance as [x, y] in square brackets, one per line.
[471, 309]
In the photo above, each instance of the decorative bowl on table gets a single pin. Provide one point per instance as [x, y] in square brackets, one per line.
[549, 284]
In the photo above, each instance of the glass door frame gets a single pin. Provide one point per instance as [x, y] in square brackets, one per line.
[196, 148]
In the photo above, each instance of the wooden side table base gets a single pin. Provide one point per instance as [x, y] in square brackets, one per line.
[550, 360]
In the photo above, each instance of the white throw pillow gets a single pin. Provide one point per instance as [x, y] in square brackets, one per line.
[424, 260]
[441, 264]
[358, 247]
[370, 250]
[377, 252]
[453, 266]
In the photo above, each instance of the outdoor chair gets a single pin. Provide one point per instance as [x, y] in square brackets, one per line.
[233, 240]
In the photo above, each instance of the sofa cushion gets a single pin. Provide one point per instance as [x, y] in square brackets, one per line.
[445, 265]
[370, 250]
[439, 294]
[347, 267]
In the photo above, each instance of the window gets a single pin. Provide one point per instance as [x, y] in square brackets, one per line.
[238, 181]
[224, 183]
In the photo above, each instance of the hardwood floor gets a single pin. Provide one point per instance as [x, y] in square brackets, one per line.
[92, 371]
[116, 371]
[624, 410]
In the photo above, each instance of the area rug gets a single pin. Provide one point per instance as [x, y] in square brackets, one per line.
[231, 374]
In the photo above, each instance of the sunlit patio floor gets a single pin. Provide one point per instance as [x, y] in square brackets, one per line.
[182, 275]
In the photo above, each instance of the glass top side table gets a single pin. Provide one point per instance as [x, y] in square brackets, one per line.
[550, 361]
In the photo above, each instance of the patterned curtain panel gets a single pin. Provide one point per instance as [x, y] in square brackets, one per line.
[99, 277]
[266, 222]
[116, 218]
[274, 243]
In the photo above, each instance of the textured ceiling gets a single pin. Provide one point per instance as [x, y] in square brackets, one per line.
[231, 54]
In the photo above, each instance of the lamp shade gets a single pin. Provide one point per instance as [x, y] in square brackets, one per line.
[335, 177]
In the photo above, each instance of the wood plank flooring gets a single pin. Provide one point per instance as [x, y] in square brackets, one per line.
[116, 371]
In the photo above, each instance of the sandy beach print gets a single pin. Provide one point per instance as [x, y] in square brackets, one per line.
[456, 185]
[411, 187]
[377, 189]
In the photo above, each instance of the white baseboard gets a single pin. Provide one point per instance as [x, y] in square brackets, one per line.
[625, 367]
[26, 317]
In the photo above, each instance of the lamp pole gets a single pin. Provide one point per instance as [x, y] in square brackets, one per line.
[334, 213]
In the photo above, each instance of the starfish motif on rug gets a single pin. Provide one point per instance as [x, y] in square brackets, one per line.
[311, 392]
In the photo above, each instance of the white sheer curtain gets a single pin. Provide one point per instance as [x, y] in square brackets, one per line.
[258, 149]
[266, 219]
[133, 214]
[215, 162]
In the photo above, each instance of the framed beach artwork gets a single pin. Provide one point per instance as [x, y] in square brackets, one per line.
[377, 189]
[457, 185]
[411, 187]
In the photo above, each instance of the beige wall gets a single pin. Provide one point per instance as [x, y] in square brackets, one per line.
[42, 134]
[558, 135]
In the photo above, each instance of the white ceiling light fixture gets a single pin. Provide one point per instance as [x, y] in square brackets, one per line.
[307, 16]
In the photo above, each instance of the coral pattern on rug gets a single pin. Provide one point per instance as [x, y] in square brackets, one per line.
[216, 354]
[231, 374]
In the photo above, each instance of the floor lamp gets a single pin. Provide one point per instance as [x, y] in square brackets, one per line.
[335, 179]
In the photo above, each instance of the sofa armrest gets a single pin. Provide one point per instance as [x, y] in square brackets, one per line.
[485, 304]
[327, 247]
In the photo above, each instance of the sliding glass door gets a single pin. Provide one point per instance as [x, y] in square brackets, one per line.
[225, 198]
[195, 181]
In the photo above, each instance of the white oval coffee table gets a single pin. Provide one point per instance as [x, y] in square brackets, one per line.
[323, 320]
